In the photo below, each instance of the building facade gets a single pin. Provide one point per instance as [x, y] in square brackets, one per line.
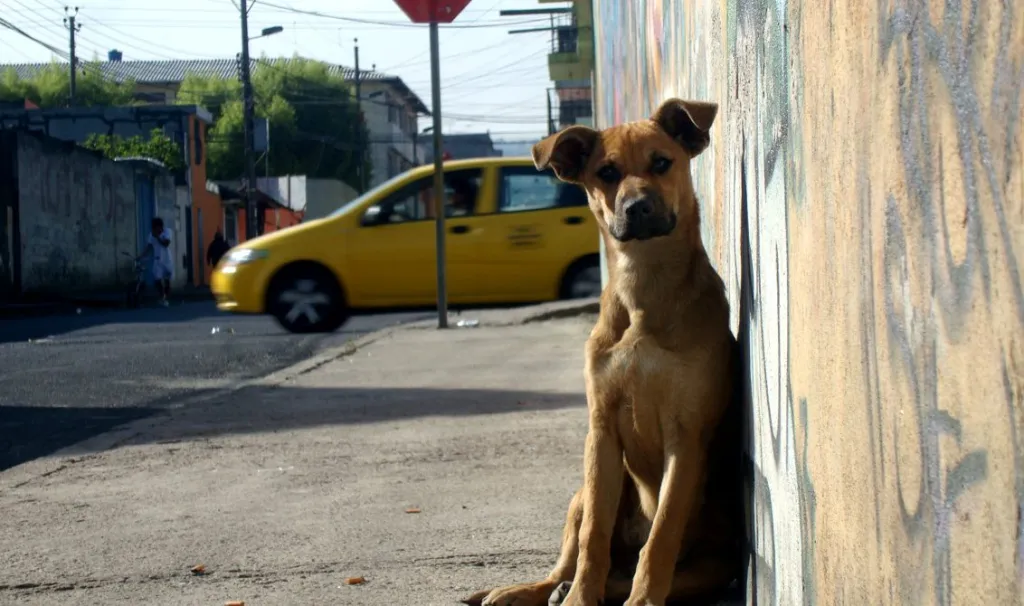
[391, 109]
[571, 63]
[465, 145]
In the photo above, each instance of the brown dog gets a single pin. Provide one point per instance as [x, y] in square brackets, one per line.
[662, 489]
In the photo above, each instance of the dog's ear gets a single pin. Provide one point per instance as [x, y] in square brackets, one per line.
[688, 122]
[566, 152]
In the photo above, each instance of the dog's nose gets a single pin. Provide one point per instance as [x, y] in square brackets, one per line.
[640, 208]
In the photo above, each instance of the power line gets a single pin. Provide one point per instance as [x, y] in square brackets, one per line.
[427, 52]
[23, 33]
[392, 23]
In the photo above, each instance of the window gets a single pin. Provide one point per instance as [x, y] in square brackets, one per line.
[231, 225]
[569, 112]
[397, 163]
[159, 98]
[524, 188]
[415, 201]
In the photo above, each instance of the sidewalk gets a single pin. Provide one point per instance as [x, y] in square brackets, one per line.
[291, 484]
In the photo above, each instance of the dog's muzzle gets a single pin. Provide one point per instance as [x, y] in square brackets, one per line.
[638, 219]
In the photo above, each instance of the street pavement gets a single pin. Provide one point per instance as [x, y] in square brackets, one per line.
[65, 378]
[287, 487]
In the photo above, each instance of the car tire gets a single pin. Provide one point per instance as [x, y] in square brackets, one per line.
[307, 299]
[583, 279]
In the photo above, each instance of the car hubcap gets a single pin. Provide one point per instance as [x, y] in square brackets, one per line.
[586, 284]
[303, 301]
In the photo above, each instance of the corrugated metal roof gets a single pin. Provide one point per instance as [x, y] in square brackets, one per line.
[174, 71]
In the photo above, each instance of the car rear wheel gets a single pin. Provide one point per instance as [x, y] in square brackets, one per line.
[583, 280]
[307, 299]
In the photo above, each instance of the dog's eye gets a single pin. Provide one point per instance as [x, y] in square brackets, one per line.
[609, 174]
[660, 166]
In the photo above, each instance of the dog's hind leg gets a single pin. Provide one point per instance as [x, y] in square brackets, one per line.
[536, 594]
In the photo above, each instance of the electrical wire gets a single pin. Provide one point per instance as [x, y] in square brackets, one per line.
[396, 23]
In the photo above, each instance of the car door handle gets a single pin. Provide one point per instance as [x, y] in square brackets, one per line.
[573, 220]
[459, 229]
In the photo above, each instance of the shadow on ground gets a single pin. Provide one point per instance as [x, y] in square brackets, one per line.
[32, 432]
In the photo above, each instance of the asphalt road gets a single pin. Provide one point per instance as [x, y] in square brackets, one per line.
[67, 378]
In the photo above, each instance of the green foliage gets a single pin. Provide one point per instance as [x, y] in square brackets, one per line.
[315, 123]
[158, 147]
[51, 85]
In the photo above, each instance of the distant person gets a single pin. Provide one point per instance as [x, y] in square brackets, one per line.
[463, 198]
[218, 248]
[158, 244]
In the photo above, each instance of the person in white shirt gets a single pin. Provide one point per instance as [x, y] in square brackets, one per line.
[158, 244]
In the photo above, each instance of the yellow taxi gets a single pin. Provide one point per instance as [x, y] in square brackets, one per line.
[514, 234]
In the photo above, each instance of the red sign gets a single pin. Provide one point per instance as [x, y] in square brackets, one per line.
[426, 11]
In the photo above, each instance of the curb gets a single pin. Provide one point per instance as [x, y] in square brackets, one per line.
[519, 316]
[581, 307]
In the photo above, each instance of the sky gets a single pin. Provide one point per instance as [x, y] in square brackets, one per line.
[491, 81]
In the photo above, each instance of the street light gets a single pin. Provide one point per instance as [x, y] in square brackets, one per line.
[252, 223]
[269, 31]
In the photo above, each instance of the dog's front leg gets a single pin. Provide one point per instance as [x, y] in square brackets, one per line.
[680, 485]
[603, 471]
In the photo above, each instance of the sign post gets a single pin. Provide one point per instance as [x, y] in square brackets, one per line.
[434, 12]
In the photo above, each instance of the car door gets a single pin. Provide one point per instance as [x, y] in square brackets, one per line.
[541, 225]
[391, 253]
[468, 231]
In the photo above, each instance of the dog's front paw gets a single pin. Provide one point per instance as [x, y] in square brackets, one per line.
[641, 601]
[573, 597]
[527, 594]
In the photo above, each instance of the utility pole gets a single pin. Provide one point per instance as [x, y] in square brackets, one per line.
[439, 210]
[551, 120]
[361, 166]
[252, 227]
[73, 28]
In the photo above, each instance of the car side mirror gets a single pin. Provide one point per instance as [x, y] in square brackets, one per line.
[372, 216]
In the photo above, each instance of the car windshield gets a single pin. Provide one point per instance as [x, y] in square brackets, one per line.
[371, 193]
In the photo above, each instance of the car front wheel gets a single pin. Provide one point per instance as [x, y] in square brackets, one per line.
[583, 281]
[307, 299]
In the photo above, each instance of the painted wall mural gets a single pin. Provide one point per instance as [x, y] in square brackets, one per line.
[864, 200]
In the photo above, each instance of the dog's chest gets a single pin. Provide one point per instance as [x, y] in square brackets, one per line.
[642, 435]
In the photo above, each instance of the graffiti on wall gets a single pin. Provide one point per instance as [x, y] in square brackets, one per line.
[864, 200]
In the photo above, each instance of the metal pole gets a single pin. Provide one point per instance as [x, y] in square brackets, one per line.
[361, 152]
[551, 120]
[69, 22]
[252, 224]
[435, 95]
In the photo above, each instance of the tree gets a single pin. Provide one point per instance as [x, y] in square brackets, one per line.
[158, 146]
[51, 85]
[315, 124]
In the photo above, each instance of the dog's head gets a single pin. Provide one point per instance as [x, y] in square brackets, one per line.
[637, 175]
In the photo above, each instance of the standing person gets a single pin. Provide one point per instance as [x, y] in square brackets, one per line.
[158, 244]
[217, 248]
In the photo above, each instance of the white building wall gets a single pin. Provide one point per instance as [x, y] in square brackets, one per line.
[387, 136]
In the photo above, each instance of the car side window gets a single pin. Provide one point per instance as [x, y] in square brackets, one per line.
[524, 188]
[415, 201]
[461, 192]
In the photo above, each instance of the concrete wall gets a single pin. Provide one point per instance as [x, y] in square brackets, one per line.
[324, 196]
[77, 214]
[863, 198]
